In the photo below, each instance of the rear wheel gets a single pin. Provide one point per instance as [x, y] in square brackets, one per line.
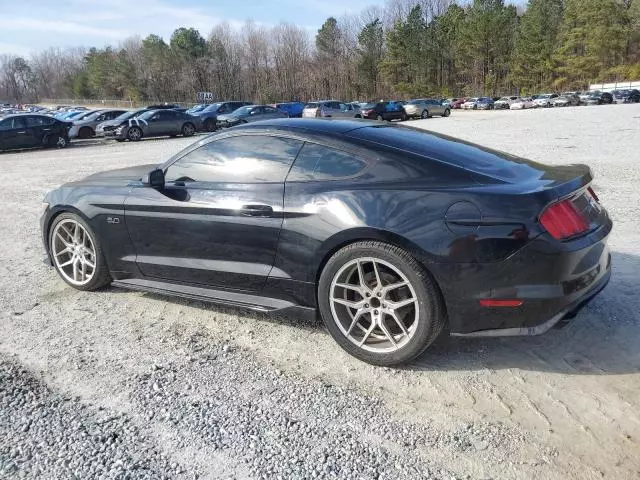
[76, 253]
[134, 134]
[424, 114]
[379, 303]
[379, 118]
[403, 117]
[188, 129]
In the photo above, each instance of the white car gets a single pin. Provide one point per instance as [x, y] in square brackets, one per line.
[523, 104]
[545, 100]
[505, 102]
[470, 104]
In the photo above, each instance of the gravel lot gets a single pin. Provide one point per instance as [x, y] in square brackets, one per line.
[119, 384]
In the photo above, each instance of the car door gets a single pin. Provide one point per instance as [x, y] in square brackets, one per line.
[217, 221]
[256, 114]
[15, 134]
[163, 123]
[35, 130]
[270, 112]
[436, 107]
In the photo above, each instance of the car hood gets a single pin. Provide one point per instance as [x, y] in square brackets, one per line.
[119, 177]
[228, 118]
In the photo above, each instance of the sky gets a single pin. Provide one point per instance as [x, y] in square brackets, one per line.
[34, 25]
[28, 26]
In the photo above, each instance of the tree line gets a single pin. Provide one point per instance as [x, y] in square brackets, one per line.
[407, 48]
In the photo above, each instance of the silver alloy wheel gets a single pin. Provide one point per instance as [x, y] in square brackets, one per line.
[374, 305]
[62, 142]
[73, 252]
[424, 114]
[134, 134]
[188, 130]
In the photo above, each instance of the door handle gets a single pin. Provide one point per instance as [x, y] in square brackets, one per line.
[22, 132]
[256, 210]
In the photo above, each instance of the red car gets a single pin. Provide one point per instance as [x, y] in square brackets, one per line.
[457, 102]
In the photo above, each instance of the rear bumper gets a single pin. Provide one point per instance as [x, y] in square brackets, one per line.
[568, 313]
[552, 279]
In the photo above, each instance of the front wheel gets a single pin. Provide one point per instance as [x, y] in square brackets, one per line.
[57, 141]
[379, 304]
[134, 134]
[188, 129]
[447, 112]
[379, 118]
[76, 253]
[403, 117]
[210, 125]
[424, 114]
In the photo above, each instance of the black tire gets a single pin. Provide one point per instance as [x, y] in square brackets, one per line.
[358, 116]
[134, 134]
[446, 113]
[209, 125]
[86, 132]
[188, 129]
[379, 118]
[431, 318]
[120, 140]
[57, 141]
[101, 277]
[424, 114]
[403, 117]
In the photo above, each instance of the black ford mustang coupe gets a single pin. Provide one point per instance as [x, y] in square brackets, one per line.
[394, 234]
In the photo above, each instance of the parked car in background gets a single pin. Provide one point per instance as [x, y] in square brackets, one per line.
[523, 103]
[597, 98]
[31, 131]
[156, 123]
[293, 109]
[207, 117]
[108, 127]
[72, 114]
[545, 99]
[331, 108]
[470, 103]
[457, 103]
[505, 102]
[566, 99]
[86, 126]
[250, 113]
[626, 96]
[426, 107]
[484, 103]
[383, 111]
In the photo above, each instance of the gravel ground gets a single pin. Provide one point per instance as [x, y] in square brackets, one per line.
[119, 384]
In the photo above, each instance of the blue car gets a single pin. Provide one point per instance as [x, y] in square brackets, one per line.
[294, 109]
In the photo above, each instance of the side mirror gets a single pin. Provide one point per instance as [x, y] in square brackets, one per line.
[154, 179]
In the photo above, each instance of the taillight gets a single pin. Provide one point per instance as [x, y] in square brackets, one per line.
[563, 220]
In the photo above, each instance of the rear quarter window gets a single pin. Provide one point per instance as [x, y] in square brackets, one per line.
[317, 162]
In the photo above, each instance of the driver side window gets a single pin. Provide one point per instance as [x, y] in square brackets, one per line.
[239, 159]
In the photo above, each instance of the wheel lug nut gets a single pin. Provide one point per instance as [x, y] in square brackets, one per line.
[366, 305]
[379, 294]
[368, 294]
[375, 312]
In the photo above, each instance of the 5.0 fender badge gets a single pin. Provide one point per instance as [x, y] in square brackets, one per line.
[113, 220]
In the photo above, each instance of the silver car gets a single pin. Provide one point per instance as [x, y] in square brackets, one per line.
[426, 107]
[86, 126]
[331, 108]
[567, 99]
[250, 113]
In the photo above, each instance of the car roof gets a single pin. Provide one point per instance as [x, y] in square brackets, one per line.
[312, 125]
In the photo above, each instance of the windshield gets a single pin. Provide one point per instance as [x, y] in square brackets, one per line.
[546, 95]
[311, 105]
[370, 105]
[415, 102]
[83, 115]
[242, 110]
[503, 99]
[147, 115]
[211, 108]
[197, 108]
[128, 115]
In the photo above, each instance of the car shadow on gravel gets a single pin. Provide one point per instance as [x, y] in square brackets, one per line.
[603, 339]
